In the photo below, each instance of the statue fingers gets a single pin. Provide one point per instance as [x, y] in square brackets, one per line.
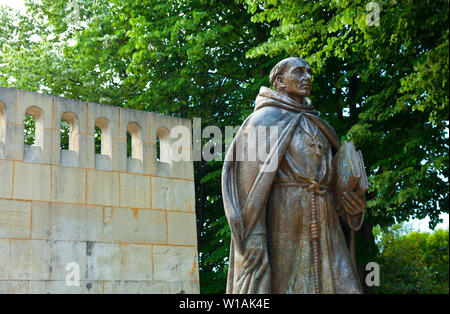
[359, 200]
[248, 257]
[262, 269]
[351, 207]
[254, 262]
[256, 283]
[356, 204]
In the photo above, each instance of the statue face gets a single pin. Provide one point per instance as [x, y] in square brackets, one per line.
[296, 81]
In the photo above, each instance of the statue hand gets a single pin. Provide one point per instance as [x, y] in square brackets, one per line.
[353, 203]
[255, 255]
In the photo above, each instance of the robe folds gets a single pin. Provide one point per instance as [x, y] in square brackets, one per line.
[271, 199]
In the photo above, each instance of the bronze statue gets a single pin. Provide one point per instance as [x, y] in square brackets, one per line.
[287, 225]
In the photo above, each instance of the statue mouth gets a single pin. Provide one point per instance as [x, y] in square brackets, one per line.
[306, 86]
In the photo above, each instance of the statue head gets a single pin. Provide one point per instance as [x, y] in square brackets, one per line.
[292, 77]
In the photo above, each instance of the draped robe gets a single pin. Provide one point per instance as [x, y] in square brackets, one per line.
[272, 199]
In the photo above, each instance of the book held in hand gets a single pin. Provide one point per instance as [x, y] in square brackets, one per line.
[350, 171]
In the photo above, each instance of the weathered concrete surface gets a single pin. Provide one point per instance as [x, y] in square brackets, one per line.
[128, 229]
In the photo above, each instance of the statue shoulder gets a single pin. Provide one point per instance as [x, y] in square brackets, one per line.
[269, 116]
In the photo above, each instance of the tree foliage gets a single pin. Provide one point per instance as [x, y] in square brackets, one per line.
[413, 262]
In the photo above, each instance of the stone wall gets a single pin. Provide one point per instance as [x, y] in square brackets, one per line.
[129, 223]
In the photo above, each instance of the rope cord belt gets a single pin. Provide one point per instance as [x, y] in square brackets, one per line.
[315, 189]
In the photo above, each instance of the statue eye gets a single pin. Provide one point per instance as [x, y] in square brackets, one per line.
[299, 71]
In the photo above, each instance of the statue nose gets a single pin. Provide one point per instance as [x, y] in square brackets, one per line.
[308, 77]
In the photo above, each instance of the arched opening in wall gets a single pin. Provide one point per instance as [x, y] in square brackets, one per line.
[98, 140]
[103, 144]
[29, 130]
[129, 146]
[2, 129]
[163, 153]
[33, 134]
[64, 135]
[134, 147]
[69, 142]
[158, 149]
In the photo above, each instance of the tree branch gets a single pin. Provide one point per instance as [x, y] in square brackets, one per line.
[224, 75]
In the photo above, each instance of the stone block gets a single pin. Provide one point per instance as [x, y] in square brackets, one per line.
[14, 287]
[60, 287]
[136, 262]
[51, 147]
[31, 260]
[6, 167]
[103, 162]
[32, 181]
[134, 191]
[15, 219]
[172, 194]
[183, 170]
[87, 151]
[181, 228]
[68, 184]
[103, 188]
[134, 165]
[14, 144]
[67, 222]
[133, 225]
[110, 261]
[103, 261]
[175, 263]
[32, 153]
[4, 259]
[119, 155]
[69, 158]
[164, 169]
[150, 159]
